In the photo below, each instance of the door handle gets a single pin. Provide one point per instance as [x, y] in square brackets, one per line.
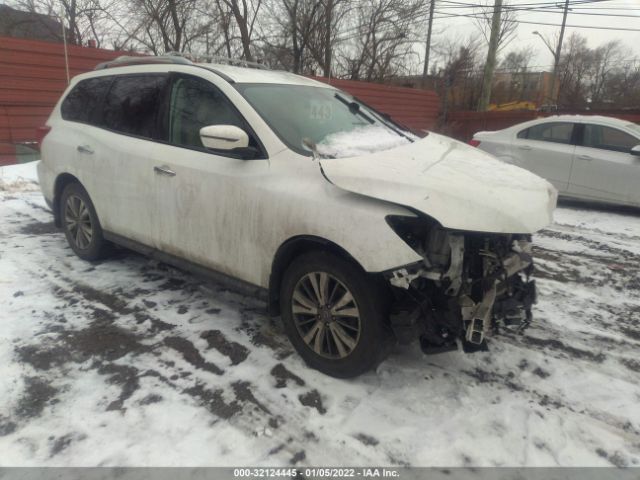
[164, 170]
[524, 147]
[85, 149]
[585, 157]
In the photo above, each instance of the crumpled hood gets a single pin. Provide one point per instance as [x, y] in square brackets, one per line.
[461, 187]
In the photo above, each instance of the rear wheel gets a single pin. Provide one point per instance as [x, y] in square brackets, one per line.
[81, 225]
[334, 314]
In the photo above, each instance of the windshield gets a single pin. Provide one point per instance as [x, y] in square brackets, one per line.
[321, 115]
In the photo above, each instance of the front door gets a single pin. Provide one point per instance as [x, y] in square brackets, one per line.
[547, 150]
[603, 168]
[209, 201]
[122, 150]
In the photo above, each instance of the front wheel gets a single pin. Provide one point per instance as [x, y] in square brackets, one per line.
[334, 314]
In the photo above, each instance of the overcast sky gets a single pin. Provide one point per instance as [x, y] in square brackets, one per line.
[611, 13]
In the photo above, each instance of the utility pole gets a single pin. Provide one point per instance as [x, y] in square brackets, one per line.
[425, 70]
[555, 87]
[490, 65]
[328, 17]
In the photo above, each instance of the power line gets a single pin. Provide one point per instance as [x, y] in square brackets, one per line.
[478, 16]
[442, 15]
[550, 4]
[536, 10]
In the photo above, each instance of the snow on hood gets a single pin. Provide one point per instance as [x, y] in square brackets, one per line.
[360, 141]
[461, 187]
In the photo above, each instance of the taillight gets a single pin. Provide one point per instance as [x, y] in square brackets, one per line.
[474, 143]
[41, 132]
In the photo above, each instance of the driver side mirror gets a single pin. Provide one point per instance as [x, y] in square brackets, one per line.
[223, 137]
[635, 151]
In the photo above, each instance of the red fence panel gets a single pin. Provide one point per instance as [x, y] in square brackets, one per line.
[415, 108]
[32, 78]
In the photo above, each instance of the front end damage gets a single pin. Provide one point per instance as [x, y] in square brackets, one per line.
[468, 286]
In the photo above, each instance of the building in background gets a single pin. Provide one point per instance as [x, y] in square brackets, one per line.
[34, 26]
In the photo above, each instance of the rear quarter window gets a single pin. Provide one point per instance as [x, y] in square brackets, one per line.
[555, 132]
[83, 102]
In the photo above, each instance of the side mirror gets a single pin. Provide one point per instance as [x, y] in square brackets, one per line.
[223, 137]
[635, 151]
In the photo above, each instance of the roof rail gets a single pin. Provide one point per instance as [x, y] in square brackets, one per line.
[239, 62]
[127, 60]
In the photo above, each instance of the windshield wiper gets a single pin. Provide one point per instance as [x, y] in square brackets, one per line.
[388, 121]
[354, 108]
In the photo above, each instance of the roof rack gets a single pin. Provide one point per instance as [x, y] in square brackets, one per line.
[238, 62]
[127, 60]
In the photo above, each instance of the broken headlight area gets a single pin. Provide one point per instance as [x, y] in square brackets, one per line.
[468, 286]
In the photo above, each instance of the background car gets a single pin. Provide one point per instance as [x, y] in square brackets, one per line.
[591, 158]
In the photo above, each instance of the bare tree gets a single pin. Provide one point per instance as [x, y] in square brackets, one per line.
[606, 60]
[622, 86]
[512, 75]
[462, 73]
[573, 70]
[383, 39]
[299, 24]
[245, 14]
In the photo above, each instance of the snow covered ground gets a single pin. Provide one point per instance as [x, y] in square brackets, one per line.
[130, 362]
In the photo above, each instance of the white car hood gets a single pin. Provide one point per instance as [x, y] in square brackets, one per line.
[460, 186]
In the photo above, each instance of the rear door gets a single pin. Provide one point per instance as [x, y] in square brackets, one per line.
[122, 152]
[603, 168]
[546, 149]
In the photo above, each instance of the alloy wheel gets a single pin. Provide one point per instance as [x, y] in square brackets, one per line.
[326, 315]
[78, 221]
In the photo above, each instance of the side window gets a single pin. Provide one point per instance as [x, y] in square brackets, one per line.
[195, 103]
[133, 103]
[607, 138]
[556, 132]
[83, 101]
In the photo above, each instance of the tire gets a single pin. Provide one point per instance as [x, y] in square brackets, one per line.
[81, 225]
[362, 320]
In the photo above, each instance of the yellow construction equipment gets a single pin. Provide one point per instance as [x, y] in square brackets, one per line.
[510, 106]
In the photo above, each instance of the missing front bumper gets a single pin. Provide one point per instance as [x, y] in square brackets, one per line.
[497, 294]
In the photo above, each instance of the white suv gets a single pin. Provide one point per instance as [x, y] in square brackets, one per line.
[355, 231]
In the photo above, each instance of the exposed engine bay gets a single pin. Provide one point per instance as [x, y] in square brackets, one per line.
[468, 286]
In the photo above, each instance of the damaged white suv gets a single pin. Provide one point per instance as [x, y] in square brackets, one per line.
[357, 232]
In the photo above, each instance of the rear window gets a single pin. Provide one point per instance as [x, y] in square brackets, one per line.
[82, 103]
[133, 104]
[556, 132]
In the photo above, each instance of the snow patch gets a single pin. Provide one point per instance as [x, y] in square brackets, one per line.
[360, 141]
[19, 178]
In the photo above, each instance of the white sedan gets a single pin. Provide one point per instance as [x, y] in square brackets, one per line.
[590, 158]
